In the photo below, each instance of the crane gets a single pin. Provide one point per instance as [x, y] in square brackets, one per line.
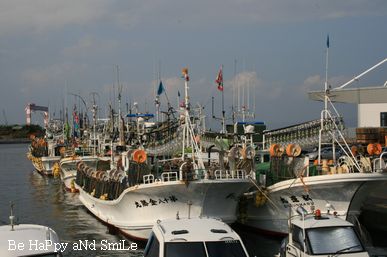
[33, 107]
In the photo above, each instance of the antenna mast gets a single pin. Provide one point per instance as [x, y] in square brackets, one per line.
[326, 79]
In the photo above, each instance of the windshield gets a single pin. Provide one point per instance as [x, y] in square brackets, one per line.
[44, 255]
[231, 248]
[180, 249]
[330, 240]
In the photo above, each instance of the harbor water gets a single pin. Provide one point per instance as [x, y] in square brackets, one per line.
[42, 200]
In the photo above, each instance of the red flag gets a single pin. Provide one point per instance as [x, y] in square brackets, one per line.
[219, 80]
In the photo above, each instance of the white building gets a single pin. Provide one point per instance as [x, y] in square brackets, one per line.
[371, 103]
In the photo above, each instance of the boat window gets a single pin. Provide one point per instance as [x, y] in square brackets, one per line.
[152, 247]
[186, 249]
[222, 231]
[44, 255]
[229, 248]
[179, 232]
[331, 240]
[298, 237]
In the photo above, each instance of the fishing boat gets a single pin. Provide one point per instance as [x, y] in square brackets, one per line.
[317, 234]
[45, 152]
[340, 182]
[201, 237]
[90, 149]
[143, 188]
[28, 240]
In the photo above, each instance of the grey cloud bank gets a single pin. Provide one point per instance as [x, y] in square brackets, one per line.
[279, 46]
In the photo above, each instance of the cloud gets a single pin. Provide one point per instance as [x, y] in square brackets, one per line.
[253, 87]
[89, 46]
[43, 15]
[48, 77]
[316, 82]
[210, 13]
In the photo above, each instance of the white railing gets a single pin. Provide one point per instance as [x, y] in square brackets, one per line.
[169, 176]
[381, 165]
[148, 179]
[226, 174]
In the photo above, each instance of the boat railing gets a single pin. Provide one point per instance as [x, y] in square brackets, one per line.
[148, 179]
[227, 174]
[169, 176]
[69, 152]
[200, 173]
[381, 165]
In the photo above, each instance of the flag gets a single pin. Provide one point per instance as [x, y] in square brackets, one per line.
[328, 41]
[178, 93]
[219, 80]
[75, 123]
[161, 88]
[185, 74]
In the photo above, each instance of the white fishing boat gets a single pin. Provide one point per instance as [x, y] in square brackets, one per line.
[45, 153]
[342, 193]
[314, 234]
[341, 183]
[137, 207]
[28, 240]
[136, 193]
[199, 237]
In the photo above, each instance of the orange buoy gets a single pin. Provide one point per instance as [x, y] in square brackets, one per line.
[374, 149]
[293, 150]
[276, 150]
[139, 156]
[354, 150]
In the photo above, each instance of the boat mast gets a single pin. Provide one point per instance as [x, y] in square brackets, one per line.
[157, 96]
[326, 80]
[94, 110]
[223, 111]
[188, 132]
[120, 124]
[325, 111]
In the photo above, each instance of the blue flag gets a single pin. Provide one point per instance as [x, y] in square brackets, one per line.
[161, 88]
[328, 41]
[178, 93]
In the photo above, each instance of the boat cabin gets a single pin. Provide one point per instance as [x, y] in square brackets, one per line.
[321, 235]
[29, 240]
[197, 237]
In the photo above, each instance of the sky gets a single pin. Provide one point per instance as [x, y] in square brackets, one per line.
[272, 50]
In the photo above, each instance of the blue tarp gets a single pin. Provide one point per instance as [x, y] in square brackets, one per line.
[136, 115]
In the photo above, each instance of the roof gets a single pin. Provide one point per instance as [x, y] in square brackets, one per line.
[23, 233]
[136, 115]
[362, 95]
[196, 229]
[325, 221]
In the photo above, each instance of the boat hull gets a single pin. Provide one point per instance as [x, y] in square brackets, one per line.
[341, 193]
[48, 163]
[44, 165]
[139, 207]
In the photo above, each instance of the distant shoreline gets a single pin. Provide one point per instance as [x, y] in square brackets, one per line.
[15, 141]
